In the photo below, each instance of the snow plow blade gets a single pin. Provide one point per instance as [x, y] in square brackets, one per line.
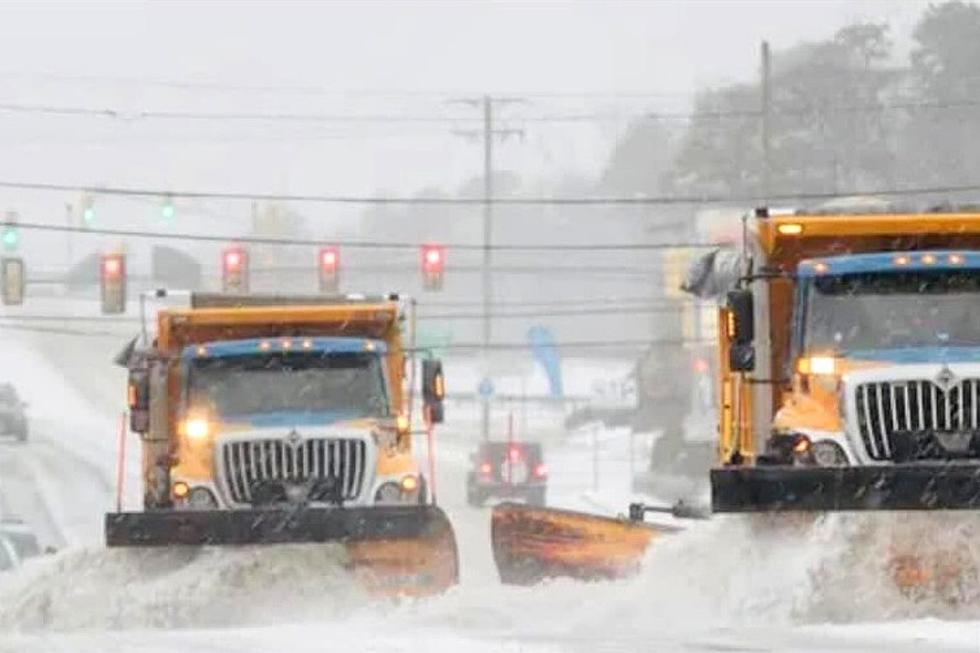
[392, 550]
[906, 486]
[533, 544]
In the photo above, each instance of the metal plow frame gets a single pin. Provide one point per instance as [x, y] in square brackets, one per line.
[272, 526]
[907, 486]
[392, 550]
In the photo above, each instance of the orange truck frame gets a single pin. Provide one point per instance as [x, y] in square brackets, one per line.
[270, 419]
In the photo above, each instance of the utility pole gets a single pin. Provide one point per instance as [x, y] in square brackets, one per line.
[766, 71]
[488, 134]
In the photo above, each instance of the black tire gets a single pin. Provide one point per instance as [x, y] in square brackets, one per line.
[22, 435]
[474, 497]
[536, 497]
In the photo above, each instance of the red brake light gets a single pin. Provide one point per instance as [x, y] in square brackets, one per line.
[541, 470]
[486, 468]
[700, 366]
[514, 453]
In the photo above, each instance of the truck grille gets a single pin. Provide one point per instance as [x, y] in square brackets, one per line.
[250, 467]
[915, 406]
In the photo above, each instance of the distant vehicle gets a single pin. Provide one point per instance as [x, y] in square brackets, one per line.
[13, 419]
[8, 555]
[20, 536]
[507, 470]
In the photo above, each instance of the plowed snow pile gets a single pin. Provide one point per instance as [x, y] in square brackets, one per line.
[108, 589]
[730, 572]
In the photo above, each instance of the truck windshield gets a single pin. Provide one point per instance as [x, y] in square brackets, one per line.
[877, 310]
[348, 383]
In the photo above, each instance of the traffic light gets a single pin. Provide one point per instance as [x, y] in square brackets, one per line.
[234, 270]
[13, 280]
[112, 278]
[433, 262]
[168, 210]
[88, 210]
[329, 264]
[11, 235]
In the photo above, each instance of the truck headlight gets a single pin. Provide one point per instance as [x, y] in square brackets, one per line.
[828, 454]
[197, 428]
[201, 498]
[404, 491]
[388, 494]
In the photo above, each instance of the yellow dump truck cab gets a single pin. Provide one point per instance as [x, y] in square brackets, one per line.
[266, 421]
[851, 364]
[885, 360]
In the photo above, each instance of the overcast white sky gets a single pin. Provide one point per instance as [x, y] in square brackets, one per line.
[396, 58]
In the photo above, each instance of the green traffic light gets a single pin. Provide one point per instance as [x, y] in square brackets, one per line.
[168, 211]
[10, 238]
[88, 215]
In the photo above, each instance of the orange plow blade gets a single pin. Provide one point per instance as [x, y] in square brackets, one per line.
[533, 544]
[390, 550]
[417, 566]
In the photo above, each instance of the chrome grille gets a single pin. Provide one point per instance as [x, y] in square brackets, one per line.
[887, 407]
[246, 464]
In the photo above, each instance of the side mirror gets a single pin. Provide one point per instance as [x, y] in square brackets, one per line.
[741, 357]
[433, 390]
[742, 316]
[138, 398]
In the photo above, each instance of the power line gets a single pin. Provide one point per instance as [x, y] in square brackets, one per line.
[345, 118]
[637, 200]
[208, 85]
[356, 244]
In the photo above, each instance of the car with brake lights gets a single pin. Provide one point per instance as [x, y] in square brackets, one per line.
[507, 470]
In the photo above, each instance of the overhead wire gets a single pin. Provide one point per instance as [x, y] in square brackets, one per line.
[367, 118]
[359, 244]
[635, 200]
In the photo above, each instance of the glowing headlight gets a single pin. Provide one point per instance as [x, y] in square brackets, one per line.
[197, 428]
[822, 365]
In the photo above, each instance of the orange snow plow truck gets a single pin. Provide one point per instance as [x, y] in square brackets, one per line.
[271, 420]
[849, 351]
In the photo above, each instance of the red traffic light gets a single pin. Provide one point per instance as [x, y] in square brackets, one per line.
[433, 261]
[234, 270]
[329, 258]
[112, 273]
[233, 259]
[112, 266]
[433, 258]
[329, 262]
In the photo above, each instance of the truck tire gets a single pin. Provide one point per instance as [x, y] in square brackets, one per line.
[536, 497]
